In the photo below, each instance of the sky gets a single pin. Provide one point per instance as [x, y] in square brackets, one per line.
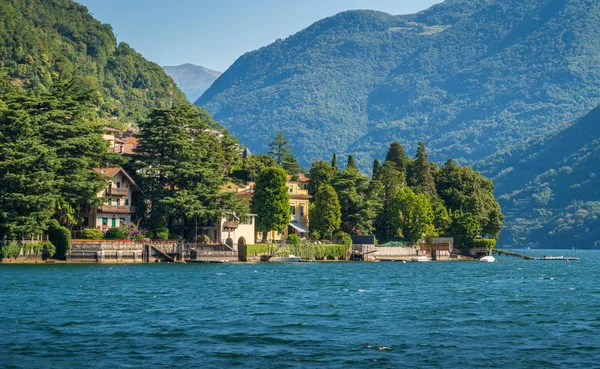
[214, 33]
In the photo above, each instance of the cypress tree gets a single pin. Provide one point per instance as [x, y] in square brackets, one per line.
[271, 201]
[326, 214]
[351, 163]
[376, 167]
[320, 173]
[419, 176]
[397, 156]
[334, 162]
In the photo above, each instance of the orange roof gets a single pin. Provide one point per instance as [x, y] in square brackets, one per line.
[127, 147]
[301, 177]
[112, 172]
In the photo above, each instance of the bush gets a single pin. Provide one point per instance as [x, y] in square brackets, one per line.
[48, 250]
[92, 234]
[161, 234]
[60, 237]
[315, 236]
[115, 234]
[294, 239]
[10, 250]
[139, 237]
[484, 243]
[205, 239]
[344, 238]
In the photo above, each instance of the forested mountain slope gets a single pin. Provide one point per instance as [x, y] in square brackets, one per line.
[549, 188]
[192, 79]
[43, 40]
[466, 77]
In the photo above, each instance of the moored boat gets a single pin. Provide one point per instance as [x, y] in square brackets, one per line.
[488, 259]
[285, 259]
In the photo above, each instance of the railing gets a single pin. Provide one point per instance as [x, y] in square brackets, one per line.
[230, 224]
[121, 209]
[117, 191]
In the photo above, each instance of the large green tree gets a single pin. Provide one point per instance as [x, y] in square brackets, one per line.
[412, 215]
[182, 167]
[461, 188]
[419, 177]
[326, 213]
[358, 207]
[398, 157]
[320, 173]
[271, 201]
[386, 183]
[255, 164]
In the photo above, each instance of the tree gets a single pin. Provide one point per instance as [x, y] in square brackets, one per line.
[384, 187]
[376, 167]
[255, 164]
[412, 215]
[419, 177]
[183, 169]
[397, 156]
[279, 148]
[351, 163]
[320, 173]
[358, 207]
[271, 201]
[326, 215]
[334, 162]
[463, 189]
[465, 228]
[28, 192]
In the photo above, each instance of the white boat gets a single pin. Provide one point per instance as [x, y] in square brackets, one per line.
[285, 259]
[421, 259]
[488, 259]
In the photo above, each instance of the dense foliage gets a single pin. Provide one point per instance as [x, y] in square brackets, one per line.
[181, 168]
[271, 201]
[549, 187]
[48, 147]
[42, 41]
[466, 77]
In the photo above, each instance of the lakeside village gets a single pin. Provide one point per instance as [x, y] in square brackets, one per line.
[179, 188]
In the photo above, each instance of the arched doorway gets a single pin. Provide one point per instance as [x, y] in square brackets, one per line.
[241, 246]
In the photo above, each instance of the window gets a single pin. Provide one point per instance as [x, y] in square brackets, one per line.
[291, 188]
[293, 210]
[118, 202]
[104, 221]
[302, 210]
[114, 222]
[127, 202]
[118, 184]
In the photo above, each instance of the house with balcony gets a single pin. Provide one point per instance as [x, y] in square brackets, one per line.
[299, 206]
[117, 208]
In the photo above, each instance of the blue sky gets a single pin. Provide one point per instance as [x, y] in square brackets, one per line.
[214, 33]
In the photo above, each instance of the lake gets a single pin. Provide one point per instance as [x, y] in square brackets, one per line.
[510, 314]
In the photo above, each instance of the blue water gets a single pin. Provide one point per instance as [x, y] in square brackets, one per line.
[510, 314]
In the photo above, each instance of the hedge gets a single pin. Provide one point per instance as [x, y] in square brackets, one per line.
[92, 234]
[305, 251]
[12, 250]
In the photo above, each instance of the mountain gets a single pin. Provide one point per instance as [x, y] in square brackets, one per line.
[192, 79]
[467, 77]
[43, 40]
[549, 187]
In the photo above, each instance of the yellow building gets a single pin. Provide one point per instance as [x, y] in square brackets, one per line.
[299, 206]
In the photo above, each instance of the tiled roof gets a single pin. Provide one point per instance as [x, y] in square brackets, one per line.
[111, 172]
[301, 178]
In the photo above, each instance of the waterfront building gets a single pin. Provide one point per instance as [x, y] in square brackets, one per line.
[117, 208]
[299, 206]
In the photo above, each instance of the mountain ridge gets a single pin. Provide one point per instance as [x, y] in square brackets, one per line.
[192, 79]
[467, 78]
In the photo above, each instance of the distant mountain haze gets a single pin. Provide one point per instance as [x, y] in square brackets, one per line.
[468, 78]
[192, 79]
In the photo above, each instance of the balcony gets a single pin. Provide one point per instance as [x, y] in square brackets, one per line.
[229, 224]
[117, 191]
[116, 209]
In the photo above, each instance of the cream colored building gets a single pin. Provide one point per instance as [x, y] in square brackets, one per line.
[117, 208]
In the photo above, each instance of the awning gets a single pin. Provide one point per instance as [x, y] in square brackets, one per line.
[299, 227]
